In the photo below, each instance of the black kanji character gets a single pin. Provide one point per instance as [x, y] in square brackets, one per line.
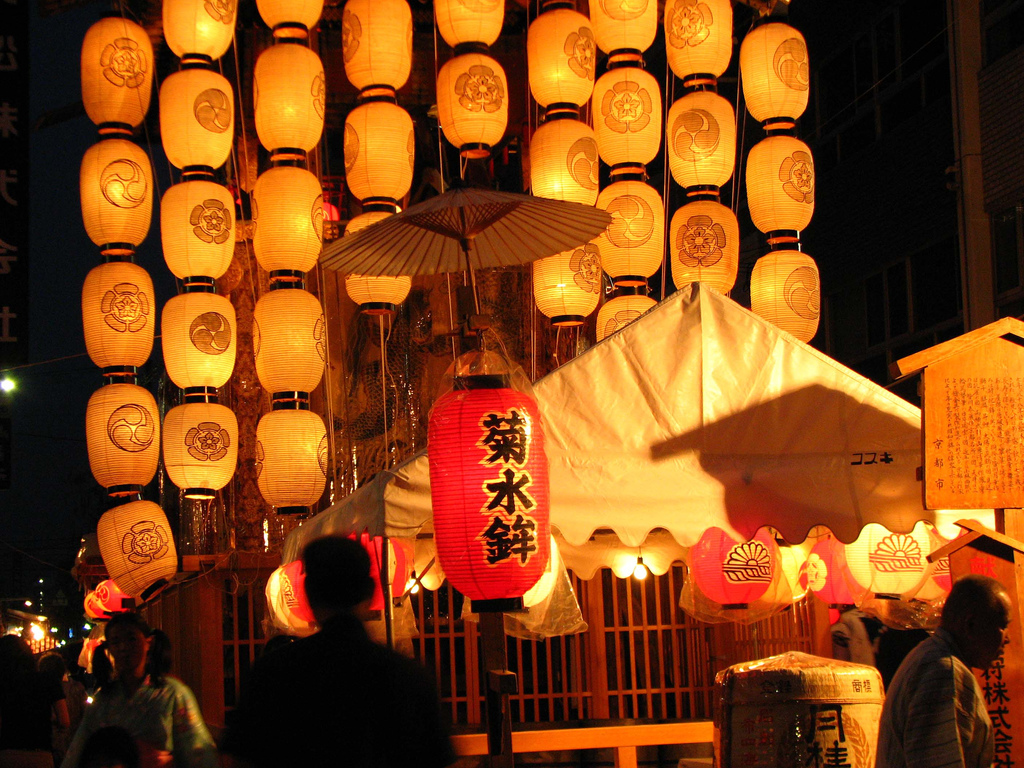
[505, 438]
[504, 540]
[509, 490]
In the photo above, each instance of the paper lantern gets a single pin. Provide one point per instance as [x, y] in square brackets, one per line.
[632, 246]
[627, 116]
[827, 575]
[624, 24]
[110, 598]
[200, 447]
[564, 162]
[137, 547]
[701, 140]
[620, 312]
[287, 601]
[92, 607]
[398, 569]
[561, 55]
[116, 185]
[117, 72]
[290, 93]
[938, 583]
[288, 215]
[698, 36]
[289, 340]
[567, 286]
[489, 490]
[197, 229]
[732, 573]
[376, 40]
[291, 459]
[290, 17]
[704, 245]
[122, 432]
[476, 22]
[198, 340]
[785, 291]
[472, 103]
[791, 560]
[379, 150]
[780, 184]
[775, 72]
[197, 118]
[889, 564]
[378, 295]
[118, 314]
[205, 27]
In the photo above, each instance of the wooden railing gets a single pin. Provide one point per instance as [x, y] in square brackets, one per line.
[624, 739]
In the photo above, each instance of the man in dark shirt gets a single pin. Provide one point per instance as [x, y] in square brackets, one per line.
[336, 698]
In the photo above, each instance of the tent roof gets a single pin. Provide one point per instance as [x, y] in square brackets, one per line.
[698, 414]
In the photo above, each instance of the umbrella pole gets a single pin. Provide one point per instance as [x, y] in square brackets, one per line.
[466, 243]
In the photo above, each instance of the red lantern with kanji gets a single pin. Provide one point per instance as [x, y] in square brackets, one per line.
[827, 574]
[734, 573]
[489, 486]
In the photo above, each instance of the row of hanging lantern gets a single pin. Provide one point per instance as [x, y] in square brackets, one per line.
[118, 305]
[379, 137]
[197, 227]
[289, 332]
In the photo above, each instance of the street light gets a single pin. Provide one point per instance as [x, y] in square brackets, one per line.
[6, 384]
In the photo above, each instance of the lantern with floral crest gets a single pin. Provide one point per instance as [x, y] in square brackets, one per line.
[704, 245]
[621, 311]
[889, 564]
[197, 228]
[200, 441]
[567, 286]
[698, 36]
[734, 573]
[204, 27]
[562, 55]
[117, 72]
[137, 547]
[827, 574]
[472, 103]
[118, 314]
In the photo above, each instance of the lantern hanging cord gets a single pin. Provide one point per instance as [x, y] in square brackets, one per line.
[247, 266]
[440, 139]
[666, 257]
[30, 556]
[384, 375]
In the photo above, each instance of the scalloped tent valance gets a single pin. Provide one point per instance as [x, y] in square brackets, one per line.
[698, 414]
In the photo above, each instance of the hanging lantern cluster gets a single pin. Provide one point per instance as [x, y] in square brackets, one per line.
[562, 58]
[379, 139]
[704, 243]
[289, 332]
[197, 227]
[118, 306]
[784, 286]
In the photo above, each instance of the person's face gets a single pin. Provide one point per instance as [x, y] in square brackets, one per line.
[989, 632]
[127, 648]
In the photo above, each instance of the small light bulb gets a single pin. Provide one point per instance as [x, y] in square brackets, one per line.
[28, 603]
[7, 385]
[415, 588]
[640, 571]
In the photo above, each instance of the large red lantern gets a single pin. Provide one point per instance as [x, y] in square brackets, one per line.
[732, 573]
[489, 486]
[827, 574]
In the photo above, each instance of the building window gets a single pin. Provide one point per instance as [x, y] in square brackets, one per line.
[1003, 25]
[1008, 258]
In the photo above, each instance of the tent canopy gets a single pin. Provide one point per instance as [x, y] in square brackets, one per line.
[698, 414]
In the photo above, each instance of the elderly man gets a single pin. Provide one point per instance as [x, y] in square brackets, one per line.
[934, 714]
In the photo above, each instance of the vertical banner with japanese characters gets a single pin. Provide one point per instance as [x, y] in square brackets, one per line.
[14, 133]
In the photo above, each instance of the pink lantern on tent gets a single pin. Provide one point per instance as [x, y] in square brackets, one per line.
[734, 573]
[826, 574]
[398, 573]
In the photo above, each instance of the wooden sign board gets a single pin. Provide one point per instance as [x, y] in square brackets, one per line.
[973, 434]
[1003, 683]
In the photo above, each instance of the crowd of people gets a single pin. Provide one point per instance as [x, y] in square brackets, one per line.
[363, 705]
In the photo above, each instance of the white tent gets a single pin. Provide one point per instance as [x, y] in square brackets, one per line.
[698, 414]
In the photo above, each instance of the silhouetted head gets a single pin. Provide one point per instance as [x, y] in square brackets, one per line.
[110, 747]
[977, 614]
[337, 575]
[15, 656]
[52, 664]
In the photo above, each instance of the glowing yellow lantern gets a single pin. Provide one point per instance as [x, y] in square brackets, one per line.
[460, 22]
[698, 36]
[290, 94]
[620, 312]
[289, 339]
[564, 161]
[701, 140]
[376, 38]
[122, 431]
[291, 459]
[200, 447]
[631, 247]
[624, 24]
[198, 338]
[118, 314]
[205, 27]
[379, 150]
[290, 18]
[567, 286]
[780, 184]
[378, 295]
[117, 72]
[775, 72]
[197, 228]
[288, 213]
[472, 103]
[627, 116]
[116, 185]
[785, 291]
[889, 564]
[562, 56]
[137, 547]
[197, 118]
[704, 245]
